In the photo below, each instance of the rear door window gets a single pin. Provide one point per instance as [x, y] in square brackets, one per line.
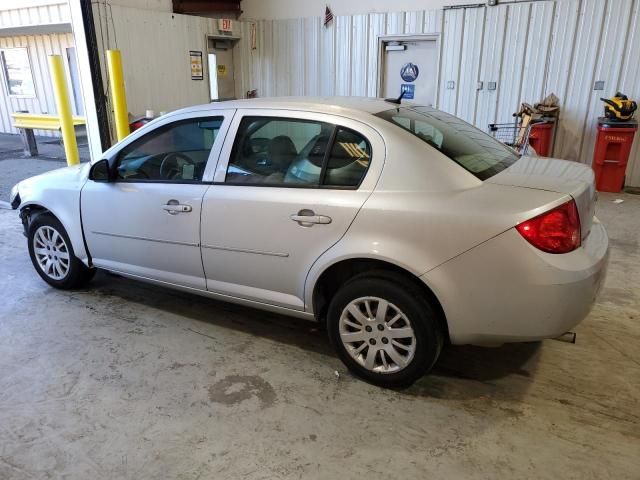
[289, 152]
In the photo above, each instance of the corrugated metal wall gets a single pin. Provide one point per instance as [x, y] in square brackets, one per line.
[42, 14]
[302, 57]
[537, 48]
[529, 49]
[40, 47]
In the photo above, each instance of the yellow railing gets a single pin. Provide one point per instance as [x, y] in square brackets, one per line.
[41, 121]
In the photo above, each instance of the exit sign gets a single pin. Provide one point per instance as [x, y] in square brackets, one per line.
[225, 25]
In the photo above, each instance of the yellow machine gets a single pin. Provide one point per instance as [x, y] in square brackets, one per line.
[619, 107]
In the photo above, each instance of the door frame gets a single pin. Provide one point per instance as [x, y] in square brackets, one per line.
[408, 37]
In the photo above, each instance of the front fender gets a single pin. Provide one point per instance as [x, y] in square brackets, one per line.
[58, 191]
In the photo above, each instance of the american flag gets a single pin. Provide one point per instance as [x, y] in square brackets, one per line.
[328, 16]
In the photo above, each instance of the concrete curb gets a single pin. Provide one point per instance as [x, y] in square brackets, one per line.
[5, 205]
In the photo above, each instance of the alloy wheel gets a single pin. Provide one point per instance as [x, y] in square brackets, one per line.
[51, 252]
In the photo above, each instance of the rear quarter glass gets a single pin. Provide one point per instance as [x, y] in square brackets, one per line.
[474, 150]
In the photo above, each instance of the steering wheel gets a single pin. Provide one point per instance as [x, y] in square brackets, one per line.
[173, 163]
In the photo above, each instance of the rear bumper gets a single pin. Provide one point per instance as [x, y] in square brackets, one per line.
[505, 290]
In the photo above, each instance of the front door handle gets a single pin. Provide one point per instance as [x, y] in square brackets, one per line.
[173, 207]
[307, 218]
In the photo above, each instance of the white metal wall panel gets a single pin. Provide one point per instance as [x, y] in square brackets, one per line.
[470, 67]
[450, 61]
[267, 61]
[630, 84]
[40, 47]
[537, 52]
[492, 50]
[432, 21]
[576, 103]
[311, 55]
[344, 51]
[395, 23]
[608, 66]
[359, 55]
[327, 61]
[512, 63]
[565, 24]
[377, 28]
[39, 15]
[414, 22]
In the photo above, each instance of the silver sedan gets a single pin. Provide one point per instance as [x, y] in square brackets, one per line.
[399, 227]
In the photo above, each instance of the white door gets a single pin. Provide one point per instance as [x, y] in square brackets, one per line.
[146, 221]
[273, 209]
[412, 66]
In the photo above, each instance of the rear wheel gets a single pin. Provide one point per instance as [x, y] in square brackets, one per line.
[52, 254]
[384, 330]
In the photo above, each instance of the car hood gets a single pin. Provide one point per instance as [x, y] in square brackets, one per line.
[554, 175]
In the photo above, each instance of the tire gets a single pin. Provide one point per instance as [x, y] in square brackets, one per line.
[52, 254]
[416, 329]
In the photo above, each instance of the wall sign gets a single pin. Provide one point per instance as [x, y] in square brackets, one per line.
[196, 65]
[222, 70]
[225, 25]
[409, 72]
[409, 91]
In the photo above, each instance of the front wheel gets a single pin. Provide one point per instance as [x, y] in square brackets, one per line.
[52, 254]
[384, 330]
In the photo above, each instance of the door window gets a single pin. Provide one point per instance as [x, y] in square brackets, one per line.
[271, 151]
[278, 151]
[177, 152]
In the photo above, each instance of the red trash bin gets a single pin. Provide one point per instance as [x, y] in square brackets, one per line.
[613, 146]
[540, 138]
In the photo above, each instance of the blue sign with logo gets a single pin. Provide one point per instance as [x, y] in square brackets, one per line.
[408, 90]
[409, 72]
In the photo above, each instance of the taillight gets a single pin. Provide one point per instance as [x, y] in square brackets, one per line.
[555, 231]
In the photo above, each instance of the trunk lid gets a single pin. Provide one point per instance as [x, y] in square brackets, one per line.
[554, 175]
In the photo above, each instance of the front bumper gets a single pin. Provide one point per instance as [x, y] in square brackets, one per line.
[506, 290]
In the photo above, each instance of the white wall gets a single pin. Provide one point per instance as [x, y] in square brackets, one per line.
[155, 55]
[302, 57]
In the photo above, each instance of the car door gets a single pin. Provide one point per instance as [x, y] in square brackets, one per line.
[286, 188]
[146, 221]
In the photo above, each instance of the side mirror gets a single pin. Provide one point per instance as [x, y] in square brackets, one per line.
[99, 171]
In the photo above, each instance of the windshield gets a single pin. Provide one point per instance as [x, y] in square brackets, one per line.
[474, 150]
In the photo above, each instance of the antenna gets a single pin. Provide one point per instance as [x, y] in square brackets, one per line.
[398, 100]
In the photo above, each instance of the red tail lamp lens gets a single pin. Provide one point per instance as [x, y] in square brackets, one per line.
[555, 231]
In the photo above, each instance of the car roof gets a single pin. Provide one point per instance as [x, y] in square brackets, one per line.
[335, 105]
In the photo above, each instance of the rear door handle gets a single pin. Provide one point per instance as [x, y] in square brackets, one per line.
[173, 207]
[307, 218]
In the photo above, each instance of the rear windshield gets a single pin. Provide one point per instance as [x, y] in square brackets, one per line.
[474, 150]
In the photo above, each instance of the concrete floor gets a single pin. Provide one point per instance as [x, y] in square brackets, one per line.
[128, 381]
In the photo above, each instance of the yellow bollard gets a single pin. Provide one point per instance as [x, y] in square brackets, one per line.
[118, 95]
[64, 110]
